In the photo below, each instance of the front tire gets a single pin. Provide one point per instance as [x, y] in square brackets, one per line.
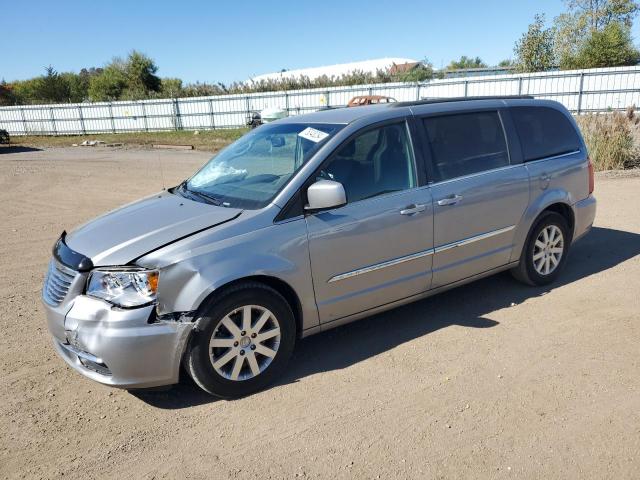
[545, 252]
[243, 343]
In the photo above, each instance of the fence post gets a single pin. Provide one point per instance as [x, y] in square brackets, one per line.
[24, 120]
[327, 95]
[81, 118]
[286, 102]
[466, 87]
[248, 105]
[213, 117]
[580, 92]
[113, 122]
[144, 116]
[176, 114]
[417, 92]
[53, 121]
[519, 85]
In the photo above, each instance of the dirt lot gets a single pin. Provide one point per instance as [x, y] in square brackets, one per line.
[492, 380]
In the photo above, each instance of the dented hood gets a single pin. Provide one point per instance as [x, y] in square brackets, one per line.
[125, 234]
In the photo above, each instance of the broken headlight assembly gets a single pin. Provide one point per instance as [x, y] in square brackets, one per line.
[124, 287]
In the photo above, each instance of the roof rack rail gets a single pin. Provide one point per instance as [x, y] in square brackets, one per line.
[427, 101]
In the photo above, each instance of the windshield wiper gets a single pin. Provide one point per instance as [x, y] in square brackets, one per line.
[210, 198]
[197, 193]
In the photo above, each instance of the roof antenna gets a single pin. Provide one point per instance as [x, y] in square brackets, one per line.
[164, 187]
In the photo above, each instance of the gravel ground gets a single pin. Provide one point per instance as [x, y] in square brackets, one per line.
[491, 380]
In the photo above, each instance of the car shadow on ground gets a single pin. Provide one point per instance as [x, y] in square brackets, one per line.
[17, 149]
[465, 306]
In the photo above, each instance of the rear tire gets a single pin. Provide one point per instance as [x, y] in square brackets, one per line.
[545, 253]
[243, 343]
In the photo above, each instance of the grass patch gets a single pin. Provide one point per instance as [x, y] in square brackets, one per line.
[613, 140]
[206, 140]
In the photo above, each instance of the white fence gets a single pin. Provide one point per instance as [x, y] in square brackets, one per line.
[581, 91]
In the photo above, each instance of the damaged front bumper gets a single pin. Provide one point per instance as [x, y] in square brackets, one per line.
[118, 347]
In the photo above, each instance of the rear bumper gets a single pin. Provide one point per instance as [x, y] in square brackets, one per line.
[584, 213]
[118, 347]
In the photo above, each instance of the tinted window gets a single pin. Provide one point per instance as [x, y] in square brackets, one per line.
[373, 163]
[544, 132]
[466, 143]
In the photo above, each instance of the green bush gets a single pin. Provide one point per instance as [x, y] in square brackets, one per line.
[613, 139]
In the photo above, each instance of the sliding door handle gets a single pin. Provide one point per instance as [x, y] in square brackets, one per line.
[450, 200]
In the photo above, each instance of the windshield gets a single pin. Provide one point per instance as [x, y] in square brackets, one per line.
[249, 172]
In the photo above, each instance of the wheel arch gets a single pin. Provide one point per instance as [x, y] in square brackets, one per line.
[279, 285]
[563, 209]
[558, 201]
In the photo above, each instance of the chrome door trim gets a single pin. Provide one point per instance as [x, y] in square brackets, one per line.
[475, 238]
[505, 167]
[379, 266]
[553, 157]
[477, 174]
[415, 256]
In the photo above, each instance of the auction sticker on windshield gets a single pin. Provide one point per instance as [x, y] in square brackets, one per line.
[313, 134]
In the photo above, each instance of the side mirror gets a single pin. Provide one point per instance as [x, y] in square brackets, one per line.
[325, 194]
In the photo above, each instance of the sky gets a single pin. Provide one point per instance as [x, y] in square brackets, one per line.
[212, 41]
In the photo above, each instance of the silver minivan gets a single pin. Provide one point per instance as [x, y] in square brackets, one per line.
[311, 222]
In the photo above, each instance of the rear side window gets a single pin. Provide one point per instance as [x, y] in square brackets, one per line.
[466, 143]
[544, 132]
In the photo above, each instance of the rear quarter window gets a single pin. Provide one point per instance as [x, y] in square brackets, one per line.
[544, 132]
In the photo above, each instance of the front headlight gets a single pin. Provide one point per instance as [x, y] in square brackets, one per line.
[124, 288]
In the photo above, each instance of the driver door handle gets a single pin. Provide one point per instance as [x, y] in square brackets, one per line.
[413, 209]
[450, 200]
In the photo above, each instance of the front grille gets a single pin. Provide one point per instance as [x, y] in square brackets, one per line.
[57, 283]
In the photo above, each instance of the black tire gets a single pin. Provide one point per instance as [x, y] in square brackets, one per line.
[198, 360]
[526, 271]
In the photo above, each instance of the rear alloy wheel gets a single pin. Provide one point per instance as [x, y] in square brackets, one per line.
[546, 250]
[243, 342]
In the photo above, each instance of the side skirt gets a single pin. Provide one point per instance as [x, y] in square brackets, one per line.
[388, 306]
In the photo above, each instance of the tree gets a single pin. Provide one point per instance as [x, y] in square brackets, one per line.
[466, 62]
[77, 87]
[600, 13]
[131, 79]
[609, 47]
[534, 51]
[7, 95]
[570, 32]
[420, 73]
[506, 63]
[171, 87]
[109, 84]
[52, 87]
[140, 73]
[584, 18]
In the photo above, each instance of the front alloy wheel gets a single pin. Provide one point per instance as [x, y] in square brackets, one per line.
[244, 343]
[244, 338]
